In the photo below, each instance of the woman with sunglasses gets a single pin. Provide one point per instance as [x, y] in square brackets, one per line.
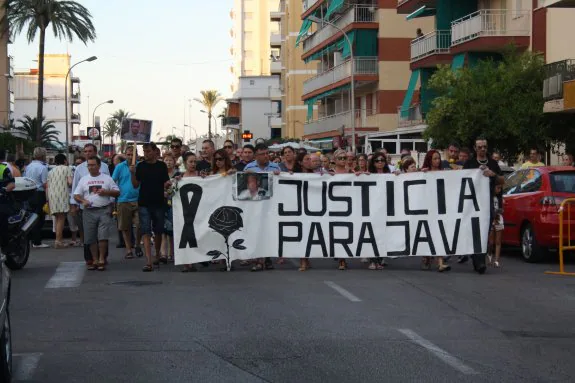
[221, 163]
[432, 163]
[190, 162]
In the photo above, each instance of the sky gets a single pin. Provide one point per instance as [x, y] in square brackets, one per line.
[152, 58]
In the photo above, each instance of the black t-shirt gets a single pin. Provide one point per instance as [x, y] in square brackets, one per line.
[240, 166]
[152, 177]
[491, 164]
[204, 165]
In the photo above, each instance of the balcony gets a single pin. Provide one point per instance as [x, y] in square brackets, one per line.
[365, 69]
[75, 98]
[490, 30]
[75, 118]
[556, 74]
[414, 116]
[405, 7]
[431, 49]
[10, 73]
[338, 121]
[275, 67]
[307, 4]
[276, 16]
[355, 14]
[557, 3]
[275, 40]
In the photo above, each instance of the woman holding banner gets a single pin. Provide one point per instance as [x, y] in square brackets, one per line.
[305, 165]
[221, 163]
[340, 157]
[432, 163]
[189, 159]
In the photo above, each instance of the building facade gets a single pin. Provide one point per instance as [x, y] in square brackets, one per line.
[251, 32]
[6, 82]
[56, 67]
[378, 39]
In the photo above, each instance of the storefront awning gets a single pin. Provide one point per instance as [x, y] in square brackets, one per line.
[334, 5]
[305, 27]
[458, 61]
[421, 12]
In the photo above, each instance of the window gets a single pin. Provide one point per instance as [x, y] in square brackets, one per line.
[531, 182]
[513, 183]
[562, 182]
[252, 82]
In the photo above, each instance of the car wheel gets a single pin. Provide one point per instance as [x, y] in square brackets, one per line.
[6, 351]
[530, 249]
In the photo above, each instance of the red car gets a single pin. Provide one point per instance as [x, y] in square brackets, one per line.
[531, 201]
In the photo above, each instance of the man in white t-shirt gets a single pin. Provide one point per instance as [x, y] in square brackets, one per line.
[95, 192]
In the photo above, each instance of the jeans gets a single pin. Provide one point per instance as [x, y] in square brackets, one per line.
[152, 219]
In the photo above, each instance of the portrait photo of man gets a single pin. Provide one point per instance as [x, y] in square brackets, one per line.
[252, 186]
[136, 130]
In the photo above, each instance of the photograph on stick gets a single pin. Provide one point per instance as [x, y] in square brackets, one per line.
[252, 186]
[136, 130]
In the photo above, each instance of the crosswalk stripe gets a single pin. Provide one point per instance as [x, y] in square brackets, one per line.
[68, 274]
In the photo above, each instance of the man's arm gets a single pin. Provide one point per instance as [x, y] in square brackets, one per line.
[134, 175]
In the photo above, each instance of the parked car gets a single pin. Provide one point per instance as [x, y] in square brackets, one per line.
[531, 201]
[6, 334]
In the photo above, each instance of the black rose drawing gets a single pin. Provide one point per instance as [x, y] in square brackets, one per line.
[226, 220]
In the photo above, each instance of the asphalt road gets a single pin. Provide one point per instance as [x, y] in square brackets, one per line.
[397, 325]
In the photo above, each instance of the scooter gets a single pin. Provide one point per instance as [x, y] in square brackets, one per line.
[15, 241]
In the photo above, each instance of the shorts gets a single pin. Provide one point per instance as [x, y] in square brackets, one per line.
[128, 215]
[97, 224]
[152, 219]
[499, 226]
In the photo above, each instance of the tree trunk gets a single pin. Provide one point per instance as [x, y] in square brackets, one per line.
[40, 110]
[209, 125]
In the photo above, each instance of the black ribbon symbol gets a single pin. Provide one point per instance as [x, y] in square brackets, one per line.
[189, 210]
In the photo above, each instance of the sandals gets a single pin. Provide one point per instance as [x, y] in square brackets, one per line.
[258, 267]
[101, 267]
[163, 260]
[147, 268]
[443, 268]
[60, 245]
[129, 255]
[139, 252]
[92, 267]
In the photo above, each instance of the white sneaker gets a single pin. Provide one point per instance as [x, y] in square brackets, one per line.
[40, 246]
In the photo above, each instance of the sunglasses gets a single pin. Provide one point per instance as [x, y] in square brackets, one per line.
[218, 158]
[228, 147]
[379, 160]
[341, 158]
[175, 146]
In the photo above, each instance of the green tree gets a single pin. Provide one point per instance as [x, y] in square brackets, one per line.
[67, 18]
[111, 129]
[499, 100]
[209, 99]
[48, 133]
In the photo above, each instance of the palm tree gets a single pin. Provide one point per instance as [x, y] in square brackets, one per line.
[48, 133]
[111, 129]
[68, 19]
[209, 99]
[120, 115]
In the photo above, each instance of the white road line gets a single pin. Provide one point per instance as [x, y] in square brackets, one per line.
[438, 352]
[68, 274]
[342, 291]
[25, 365]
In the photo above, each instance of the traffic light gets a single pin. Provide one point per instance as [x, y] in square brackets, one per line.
[247, 136]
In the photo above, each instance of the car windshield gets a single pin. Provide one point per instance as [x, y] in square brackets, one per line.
[563, 182]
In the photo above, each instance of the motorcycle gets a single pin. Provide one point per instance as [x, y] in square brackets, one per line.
[15, 242]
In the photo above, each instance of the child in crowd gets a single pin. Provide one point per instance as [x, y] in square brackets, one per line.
[496, 228]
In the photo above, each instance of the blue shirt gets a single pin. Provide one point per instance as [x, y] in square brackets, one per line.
[123, 178]
[254, 167]
[38, 172]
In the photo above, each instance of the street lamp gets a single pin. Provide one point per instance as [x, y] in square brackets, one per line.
[66, 94]
[316, 19]
[97, 106]
[94, 113]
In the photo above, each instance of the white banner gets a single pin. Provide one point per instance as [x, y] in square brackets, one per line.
[341, 216]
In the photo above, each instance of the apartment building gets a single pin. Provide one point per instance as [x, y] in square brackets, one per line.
[251, 32]
[6, 82]
[287, 64]
[359, 47]
[56, 67]
[466, 31]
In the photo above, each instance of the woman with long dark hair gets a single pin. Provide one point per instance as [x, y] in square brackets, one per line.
[432, 163]
[221, 163]
[378, 164]
[289, 162]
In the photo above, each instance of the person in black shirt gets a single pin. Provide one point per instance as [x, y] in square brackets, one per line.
[248, 152]
[151, 176]
[490, 169]
[205, 165]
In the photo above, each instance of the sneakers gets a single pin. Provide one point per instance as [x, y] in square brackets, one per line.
[40, 246]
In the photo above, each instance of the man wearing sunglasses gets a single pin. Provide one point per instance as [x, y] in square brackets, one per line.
[490, 169]
[176, 149]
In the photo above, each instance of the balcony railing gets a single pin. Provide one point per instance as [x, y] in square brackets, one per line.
[414, 116]
[490, 23]
[556, 74]
[436, 42]
[363, 66]
[75, 98]
[275, 67]
[336, 121]
[355, 14]
[275, 39]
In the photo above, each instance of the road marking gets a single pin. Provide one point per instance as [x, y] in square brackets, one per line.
[25, 365]
[438, 352]
[68, 274]
[342, 291]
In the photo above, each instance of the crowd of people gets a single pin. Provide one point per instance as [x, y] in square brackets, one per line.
[136, 191]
